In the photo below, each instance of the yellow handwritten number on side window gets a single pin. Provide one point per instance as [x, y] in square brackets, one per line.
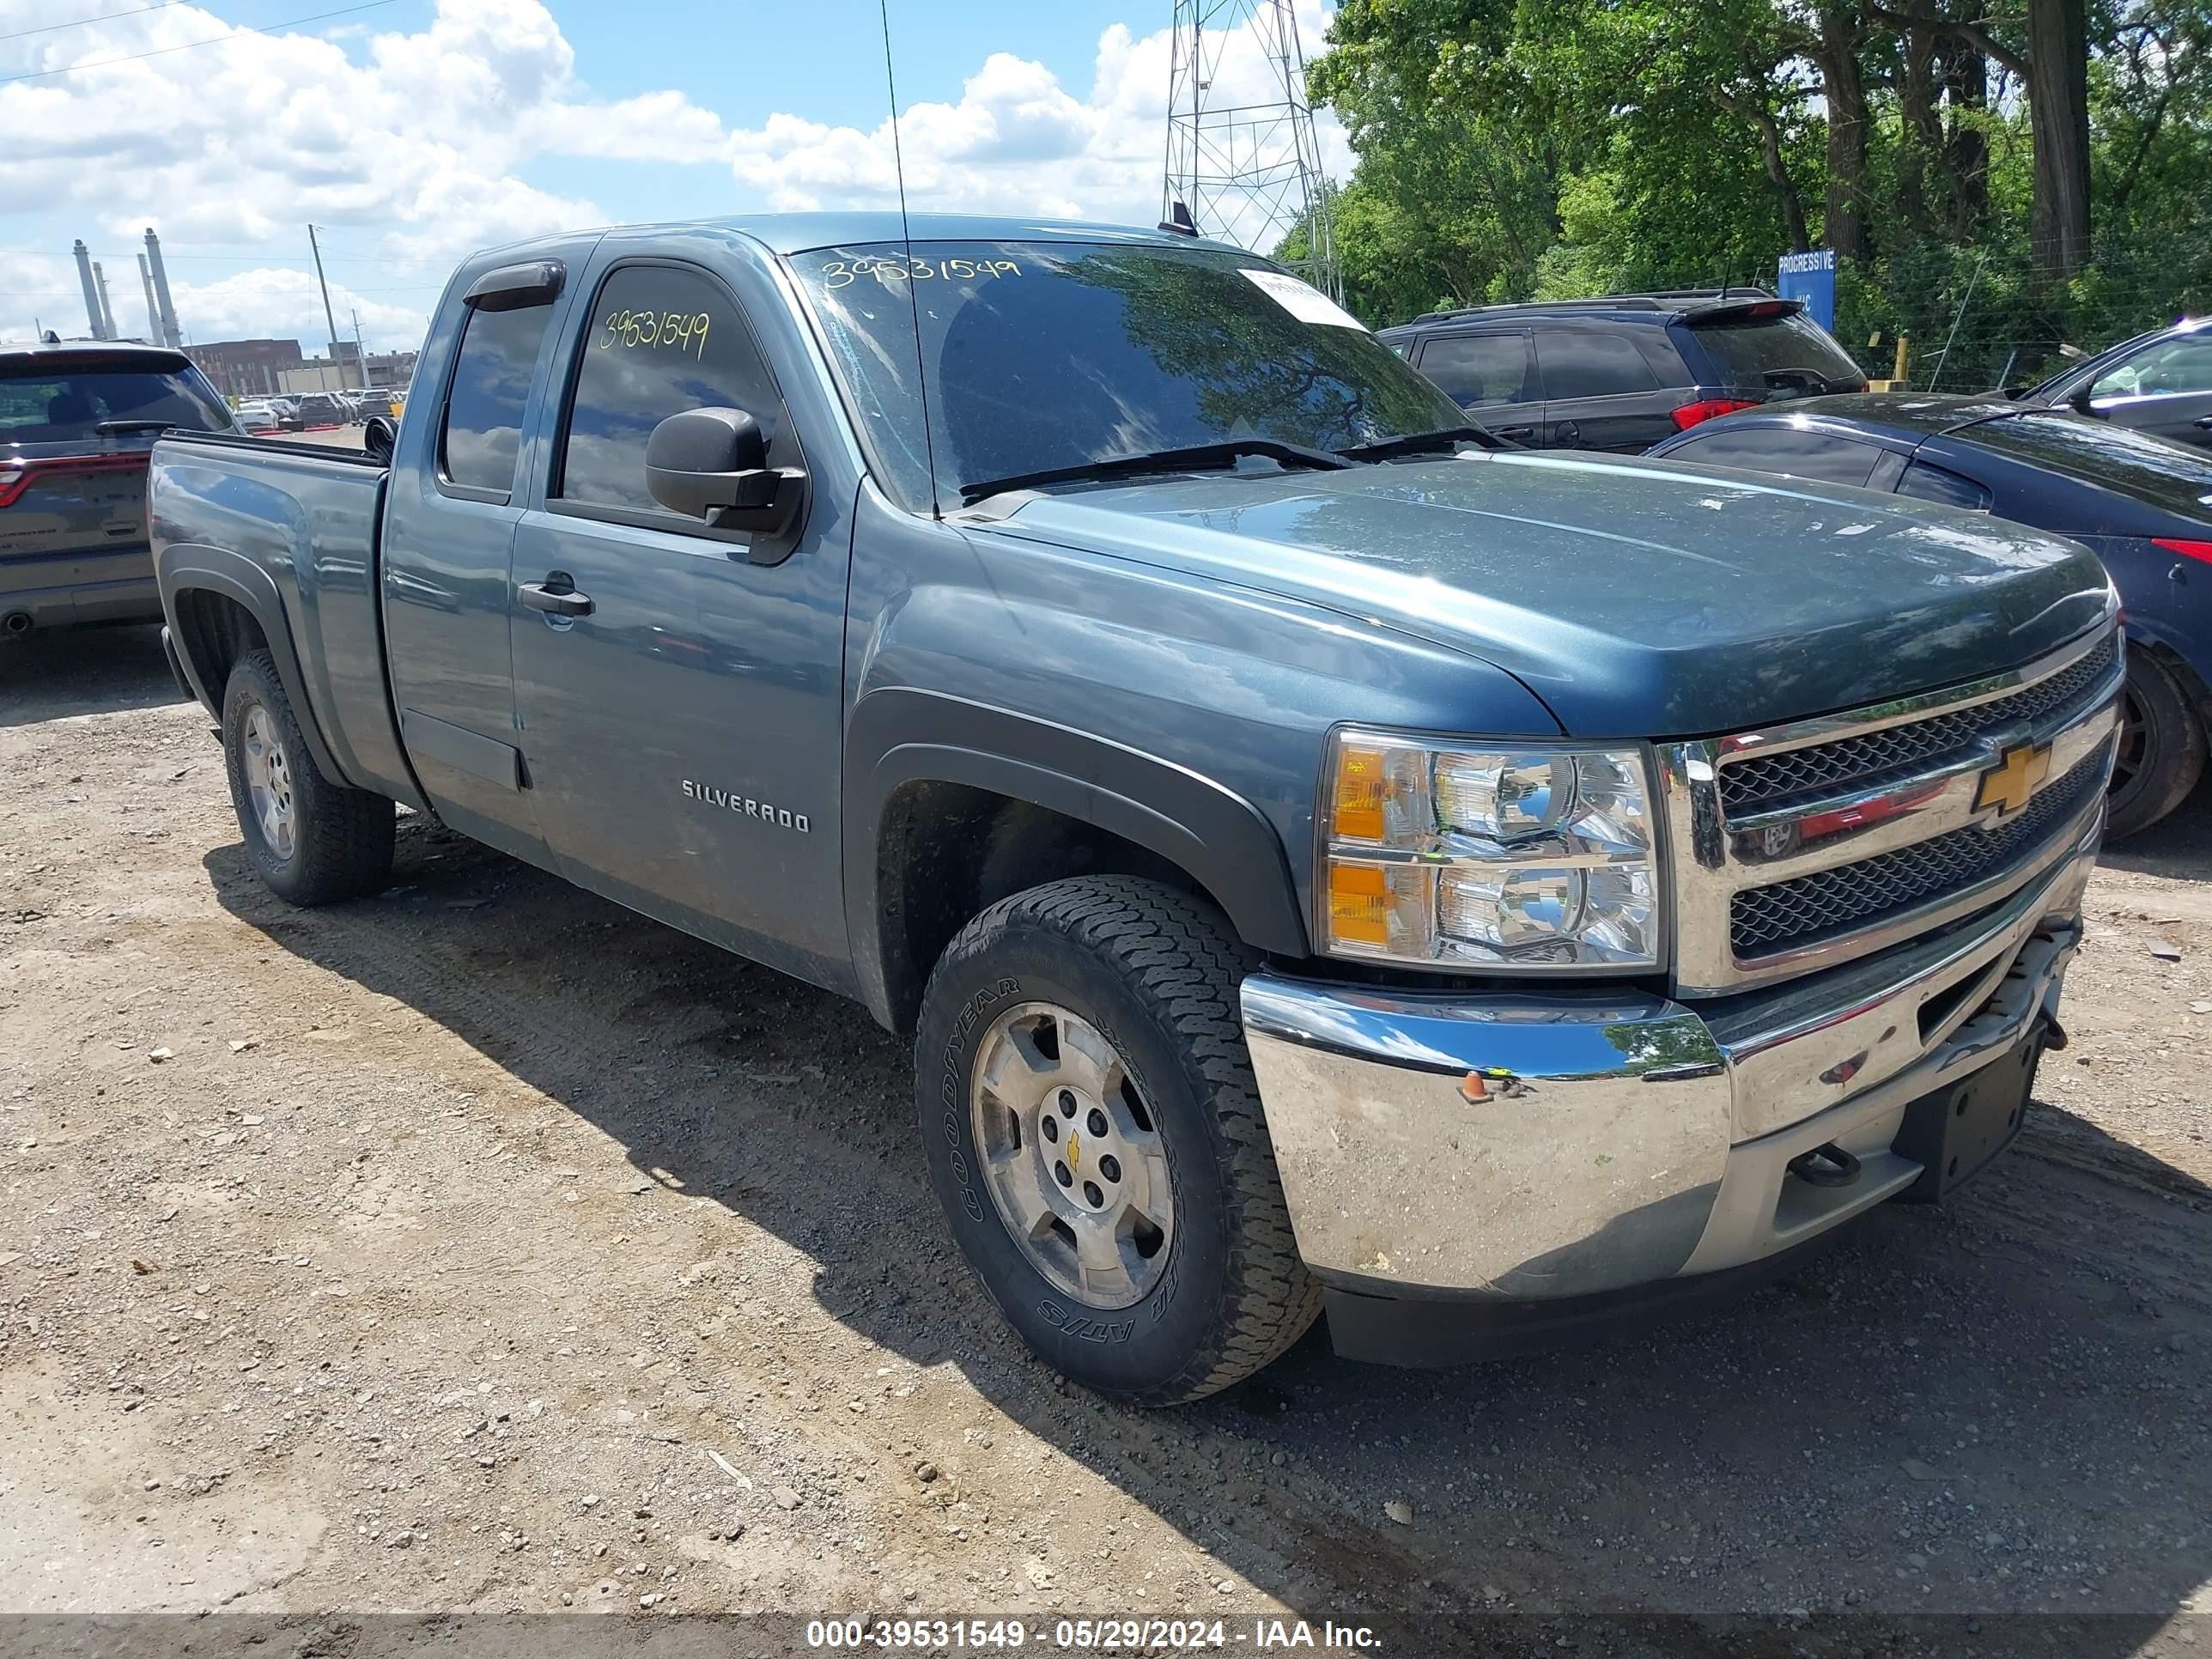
[685, 331]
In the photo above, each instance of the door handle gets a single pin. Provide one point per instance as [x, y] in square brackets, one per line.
[562, 601]
[1519, 434]
[2205, 425]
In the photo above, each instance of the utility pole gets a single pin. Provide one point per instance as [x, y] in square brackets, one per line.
[329, 316]
[360, 351]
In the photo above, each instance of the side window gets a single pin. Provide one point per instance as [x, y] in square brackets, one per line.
[1474, 369]
[483, 432]
[2171, 366]
[662, 339]
[1588, 363]
[1934, 483]
[1792, 453]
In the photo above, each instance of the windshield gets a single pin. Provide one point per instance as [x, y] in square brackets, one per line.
[47, 400]
[1048, 355]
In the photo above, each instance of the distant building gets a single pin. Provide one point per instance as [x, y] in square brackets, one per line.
[343, 368]
[247, 368]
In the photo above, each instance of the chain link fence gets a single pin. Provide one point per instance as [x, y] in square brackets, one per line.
[1978, 318]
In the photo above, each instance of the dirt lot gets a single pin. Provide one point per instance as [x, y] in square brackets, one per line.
[484, 1247]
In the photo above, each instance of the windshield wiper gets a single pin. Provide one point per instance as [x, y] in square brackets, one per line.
[109, 428]
[1226, 453]
[1423, 443]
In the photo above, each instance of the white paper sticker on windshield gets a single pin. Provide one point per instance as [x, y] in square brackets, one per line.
[1306, 303]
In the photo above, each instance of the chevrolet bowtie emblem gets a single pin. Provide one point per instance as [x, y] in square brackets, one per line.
[2009, 785]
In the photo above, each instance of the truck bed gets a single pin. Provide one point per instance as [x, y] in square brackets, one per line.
[295, 525]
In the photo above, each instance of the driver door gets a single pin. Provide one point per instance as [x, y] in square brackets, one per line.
[679, 711]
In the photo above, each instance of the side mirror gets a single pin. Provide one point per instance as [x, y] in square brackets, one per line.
[2081, 404]
[712, 465]
[378, 435]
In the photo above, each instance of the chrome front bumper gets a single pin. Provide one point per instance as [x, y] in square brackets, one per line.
[1527, 1148]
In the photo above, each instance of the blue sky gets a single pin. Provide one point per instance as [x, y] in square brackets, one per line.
[415, 130]
[822, 59]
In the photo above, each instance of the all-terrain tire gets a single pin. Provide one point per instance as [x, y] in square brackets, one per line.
[2162, 748]
[1155, 972]
[341, 838]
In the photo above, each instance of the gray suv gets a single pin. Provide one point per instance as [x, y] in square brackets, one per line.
[77, 419]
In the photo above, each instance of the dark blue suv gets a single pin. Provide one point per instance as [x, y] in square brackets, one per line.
[1623, 371]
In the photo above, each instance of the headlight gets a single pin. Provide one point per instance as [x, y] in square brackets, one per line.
[1533, 858]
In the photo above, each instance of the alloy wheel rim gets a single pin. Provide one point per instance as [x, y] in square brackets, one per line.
[1072, 1154]
[268, 782]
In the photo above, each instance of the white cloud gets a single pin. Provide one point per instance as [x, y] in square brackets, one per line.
[409, 147]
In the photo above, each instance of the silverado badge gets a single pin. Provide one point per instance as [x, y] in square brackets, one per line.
[2008, 784]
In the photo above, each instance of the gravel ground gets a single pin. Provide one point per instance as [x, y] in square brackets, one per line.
[482, 1247]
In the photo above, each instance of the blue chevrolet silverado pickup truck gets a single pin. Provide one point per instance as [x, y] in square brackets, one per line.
[1326, 860]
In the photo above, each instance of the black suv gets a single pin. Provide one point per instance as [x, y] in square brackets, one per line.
[77, 419]
[1623, 371]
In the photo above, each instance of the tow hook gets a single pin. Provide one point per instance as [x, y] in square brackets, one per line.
[1826, 1166]
[2054, 1034]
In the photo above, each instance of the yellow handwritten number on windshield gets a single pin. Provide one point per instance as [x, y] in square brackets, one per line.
[683, 330]
[842, 273]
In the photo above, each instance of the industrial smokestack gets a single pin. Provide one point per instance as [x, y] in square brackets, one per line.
[91, 294]
[153, 310]
[170, 335]
[107, 311]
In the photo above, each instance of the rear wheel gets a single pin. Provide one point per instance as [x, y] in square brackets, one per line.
[2162, 748]
[313, 841]
[1093, 1130]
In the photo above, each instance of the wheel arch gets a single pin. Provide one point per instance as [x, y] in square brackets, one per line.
[221, 605]
[949, 804]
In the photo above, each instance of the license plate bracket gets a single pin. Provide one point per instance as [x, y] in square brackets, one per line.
[1953, 1132]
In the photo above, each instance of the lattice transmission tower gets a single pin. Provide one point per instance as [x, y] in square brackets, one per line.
[1241, 155]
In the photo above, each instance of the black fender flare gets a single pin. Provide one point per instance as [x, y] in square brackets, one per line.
[898, 737]
[189, 567]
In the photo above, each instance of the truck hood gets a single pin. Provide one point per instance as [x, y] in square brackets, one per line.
[1635, 597]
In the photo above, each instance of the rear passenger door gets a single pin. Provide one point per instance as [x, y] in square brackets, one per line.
[448, 531]
[1601, 391]
[1490, 374]
[681, 728]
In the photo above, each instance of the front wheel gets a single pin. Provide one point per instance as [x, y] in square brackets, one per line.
[313, 841]
[1093, 1130]
[2162, 748]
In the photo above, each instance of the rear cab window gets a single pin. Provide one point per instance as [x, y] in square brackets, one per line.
[1786, 356]
[481, 434]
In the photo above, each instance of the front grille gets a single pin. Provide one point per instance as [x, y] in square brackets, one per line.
[1788, 915]
[1755, 785]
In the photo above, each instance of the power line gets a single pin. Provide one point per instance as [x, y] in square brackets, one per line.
[79, 22]
[215, 258]
[216, 40]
